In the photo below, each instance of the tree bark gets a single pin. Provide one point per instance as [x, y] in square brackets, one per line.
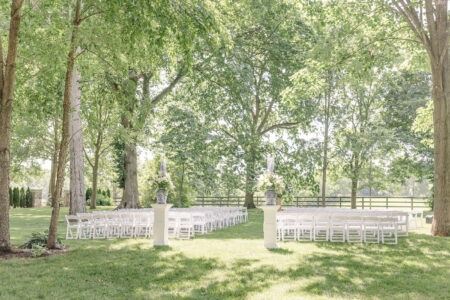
[130, 197]
[51, 185]
[95, 176]
[249, 180]
[325, 150]
[439, 36]
[77, 187]
[435, 39]
[7, 76]
[354, 190]
[51, 243]
[180, 191]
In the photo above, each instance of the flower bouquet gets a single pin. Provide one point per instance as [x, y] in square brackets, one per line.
[272, 185]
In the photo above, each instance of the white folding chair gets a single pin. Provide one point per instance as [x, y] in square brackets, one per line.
[114, 225]
[200, 224]
[99, 226]
[73, 227]
[185, 226]
[321, 228]
[172, 223]
[289, 227]
[305, 228]
[85, 226]
[141, 228]
[354, 229]
[389, 230]
[338, 228]
[371, 227]
[126, 225]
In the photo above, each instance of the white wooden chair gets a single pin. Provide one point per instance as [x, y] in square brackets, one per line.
[338, 229]
[389, 230]
[371, 230]
[354, 229]
[73, 227]
[321, 228]
[305, 228]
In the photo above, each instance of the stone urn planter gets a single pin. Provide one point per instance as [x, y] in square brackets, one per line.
[270, 197]
[161, 196]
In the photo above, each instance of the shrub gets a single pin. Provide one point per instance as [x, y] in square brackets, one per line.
[22, 198]
[103, 200]
[10, 196]
[37, 251]
[88, 194]
[40, 239]
[108, 193]
[16, 197]
[29, 198]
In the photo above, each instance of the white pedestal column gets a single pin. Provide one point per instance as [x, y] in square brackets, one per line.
[270, 226]
[160, 227]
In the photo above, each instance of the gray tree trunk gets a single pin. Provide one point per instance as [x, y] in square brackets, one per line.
[7, 77]
[435, 39]
[180, 191]
[62, 156]
[249, 181]
[325, 149]
[130, 197]
[94, 180]
[77, 187]
[354, 190]
[51, 185]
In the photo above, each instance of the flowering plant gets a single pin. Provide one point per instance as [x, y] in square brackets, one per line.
[162, 181]
[270, 181]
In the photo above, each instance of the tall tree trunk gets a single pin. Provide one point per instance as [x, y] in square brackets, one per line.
[130, 197]
[95, 178]
[435, 39]
[7, 76]
[354, 190]
[440, 66]
[55, 148]
[355, 168]
[325, 150]
[441, 119]
[250, 180]
[77, 187]
[51, 243]
[180, 191]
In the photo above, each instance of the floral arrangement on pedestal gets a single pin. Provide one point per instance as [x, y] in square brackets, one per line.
[163, 182]
[270, 183]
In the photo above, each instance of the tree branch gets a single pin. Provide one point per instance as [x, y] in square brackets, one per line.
[87, 157]
[33, 6]
[266, 115]
[286, 125]
[88, 16]
[169, 88]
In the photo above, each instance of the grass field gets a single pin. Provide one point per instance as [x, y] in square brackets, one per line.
[225, 264]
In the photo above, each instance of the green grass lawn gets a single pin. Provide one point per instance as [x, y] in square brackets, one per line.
[226, 264]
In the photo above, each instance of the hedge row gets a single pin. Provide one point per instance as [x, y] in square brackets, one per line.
[20, 197]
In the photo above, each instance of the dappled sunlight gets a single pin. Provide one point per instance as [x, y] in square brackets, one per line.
[212, 267]
[139, 244]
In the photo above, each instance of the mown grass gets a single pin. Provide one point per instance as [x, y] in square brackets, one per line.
[225, 264]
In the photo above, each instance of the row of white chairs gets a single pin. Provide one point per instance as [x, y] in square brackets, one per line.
[415, 217]
[341, 226]
[183, 223]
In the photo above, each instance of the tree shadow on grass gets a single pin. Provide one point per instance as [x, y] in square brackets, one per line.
[341, 274]
[281, 251]
[128, 273]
